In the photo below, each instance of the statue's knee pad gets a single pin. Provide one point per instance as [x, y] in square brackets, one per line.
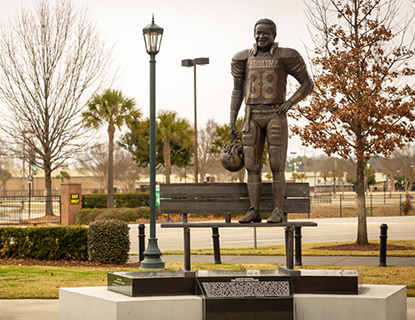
[252, 143]
[277, 137]
[277, 131]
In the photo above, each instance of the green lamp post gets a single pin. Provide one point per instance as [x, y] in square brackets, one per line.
[152, 38]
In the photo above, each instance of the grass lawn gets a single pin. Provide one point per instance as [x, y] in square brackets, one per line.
[313, 249]
[30, 282]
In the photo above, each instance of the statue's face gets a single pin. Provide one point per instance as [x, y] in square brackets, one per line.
[264, 36]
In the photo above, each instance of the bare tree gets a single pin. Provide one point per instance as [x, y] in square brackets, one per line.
[126, 171]
[401, 166]
[206, 156]
[51, 62]
[95, 162]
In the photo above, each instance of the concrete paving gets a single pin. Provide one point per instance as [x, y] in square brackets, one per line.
[280, 260]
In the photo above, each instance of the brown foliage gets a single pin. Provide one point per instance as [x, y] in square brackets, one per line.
[362, 103]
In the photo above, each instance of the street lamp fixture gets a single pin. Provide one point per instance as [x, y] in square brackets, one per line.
[192, 63]
[152, 38]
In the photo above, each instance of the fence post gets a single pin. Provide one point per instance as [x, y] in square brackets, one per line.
[141, 241]
[371, 205]
[382, 248]
[400, 204]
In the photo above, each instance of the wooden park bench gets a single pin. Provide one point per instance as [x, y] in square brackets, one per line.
[229, 198]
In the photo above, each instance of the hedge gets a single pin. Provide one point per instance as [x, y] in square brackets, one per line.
[121, 200]
[87, 216]
[46, 243]
[109, 241]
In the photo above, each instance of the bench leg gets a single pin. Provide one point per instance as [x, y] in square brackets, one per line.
[186, 237]
[298, 258]
[289, 247]
[216, 246]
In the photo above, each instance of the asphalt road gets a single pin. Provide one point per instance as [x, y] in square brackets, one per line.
[328, 230]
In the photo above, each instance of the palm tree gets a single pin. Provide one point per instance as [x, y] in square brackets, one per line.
[172, 129]
[114, 109]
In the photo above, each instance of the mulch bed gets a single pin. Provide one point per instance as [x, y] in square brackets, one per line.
[63, 263]
[369, 247]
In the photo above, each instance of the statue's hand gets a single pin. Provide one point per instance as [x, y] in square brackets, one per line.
[234, 131]
[285, 107]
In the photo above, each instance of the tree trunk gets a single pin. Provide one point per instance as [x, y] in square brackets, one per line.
[48, 187]
[167, 159]
[361, 204]
[110, 187]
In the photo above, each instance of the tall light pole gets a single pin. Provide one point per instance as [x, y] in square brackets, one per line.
[193, 63]
[152, 38]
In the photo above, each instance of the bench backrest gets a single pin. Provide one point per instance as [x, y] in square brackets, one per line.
[228, 198]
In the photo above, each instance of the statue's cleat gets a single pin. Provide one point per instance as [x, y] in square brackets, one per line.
[276, 217]
[251, 216]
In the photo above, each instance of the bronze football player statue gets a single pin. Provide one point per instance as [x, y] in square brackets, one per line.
[260, 77]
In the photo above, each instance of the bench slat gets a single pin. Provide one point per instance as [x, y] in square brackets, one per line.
[226, 190]
[229, 205]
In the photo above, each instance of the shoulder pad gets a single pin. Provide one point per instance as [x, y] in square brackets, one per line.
[242, 55]
[288, 53]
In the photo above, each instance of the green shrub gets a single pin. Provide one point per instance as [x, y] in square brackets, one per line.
[108, 241]
[82, 215]
[87, 216]
[46, 243]
[121, 200]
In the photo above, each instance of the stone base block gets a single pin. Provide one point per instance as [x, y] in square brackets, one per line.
[374, 302]
[98, 303]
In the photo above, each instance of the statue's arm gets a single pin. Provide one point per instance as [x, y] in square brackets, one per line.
[238, 73]
[298, 69]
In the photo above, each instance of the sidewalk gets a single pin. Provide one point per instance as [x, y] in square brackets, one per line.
[307, 260]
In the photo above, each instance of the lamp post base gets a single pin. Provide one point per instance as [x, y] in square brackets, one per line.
[152, 255]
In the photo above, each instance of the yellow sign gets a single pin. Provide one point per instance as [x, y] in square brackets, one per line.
[75, 198]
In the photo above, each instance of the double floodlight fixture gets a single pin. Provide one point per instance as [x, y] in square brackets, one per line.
[193, 62]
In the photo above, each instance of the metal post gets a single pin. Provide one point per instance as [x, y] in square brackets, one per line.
[216, 245]
[289, 248]
[341, 213]
[297, 236]
[141, 241]
[186, 238]
[382, 248]
[400, 204]
[152, 255]
[195, 128]
[371, 205]
[255, 239]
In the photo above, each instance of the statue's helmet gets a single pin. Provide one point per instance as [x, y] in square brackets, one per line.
[232, 156]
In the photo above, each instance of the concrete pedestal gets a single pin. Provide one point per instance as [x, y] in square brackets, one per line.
[98, 303]
[374, 302]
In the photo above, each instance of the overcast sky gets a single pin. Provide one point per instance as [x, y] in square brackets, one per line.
[192, 28]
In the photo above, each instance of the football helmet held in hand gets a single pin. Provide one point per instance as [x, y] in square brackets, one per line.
[232, 156]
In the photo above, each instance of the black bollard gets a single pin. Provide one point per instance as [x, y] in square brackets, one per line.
[216, 245]
[141, 241]
[382, 249]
